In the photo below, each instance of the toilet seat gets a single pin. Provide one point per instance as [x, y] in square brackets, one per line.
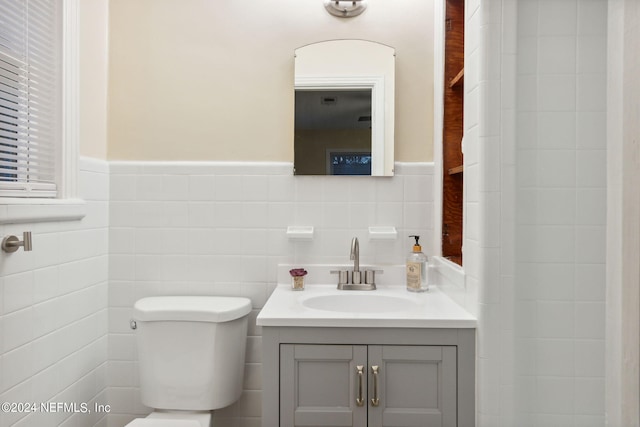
[155, 422]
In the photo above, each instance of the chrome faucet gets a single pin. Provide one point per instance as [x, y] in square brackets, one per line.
[355, 257]
[354, 281]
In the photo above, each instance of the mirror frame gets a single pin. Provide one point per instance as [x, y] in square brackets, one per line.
[355, 64]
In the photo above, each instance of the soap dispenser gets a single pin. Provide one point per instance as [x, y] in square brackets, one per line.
[417, 280]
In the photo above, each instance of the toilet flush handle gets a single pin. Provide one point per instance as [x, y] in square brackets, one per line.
[132, 324]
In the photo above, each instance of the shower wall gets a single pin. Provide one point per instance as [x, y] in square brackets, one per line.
[539, 205]
[560, 212]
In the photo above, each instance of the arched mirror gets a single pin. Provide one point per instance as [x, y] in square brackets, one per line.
[344, 108]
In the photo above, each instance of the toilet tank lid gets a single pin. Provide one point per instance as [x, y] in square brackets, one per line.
[191, 308]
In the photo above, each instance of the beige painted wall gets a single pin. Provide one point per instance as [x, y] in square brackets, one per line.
[94, 27]
[213, 80]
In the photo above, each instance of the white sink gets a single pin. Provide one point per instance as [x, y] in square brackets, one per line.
[321, 304]
[360, 303]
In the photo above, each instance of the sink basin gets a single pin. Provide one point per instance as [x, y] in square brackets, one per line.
[360, 303]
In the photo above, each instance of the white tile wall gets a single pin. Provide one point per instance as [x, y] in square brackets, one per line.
[53, 314]
[219, 229]
[567, 185]
[540, 272]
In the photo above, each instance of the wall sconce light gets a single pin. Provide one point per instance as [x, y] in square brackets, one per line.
[345, 8]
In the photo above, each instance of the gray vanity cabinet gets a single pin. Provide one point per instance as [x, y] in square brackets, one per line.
[325, 377]
[367, 385]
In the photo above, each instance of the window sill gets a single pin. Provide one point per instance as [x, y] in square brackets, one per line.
[16, 210]
[451, 273]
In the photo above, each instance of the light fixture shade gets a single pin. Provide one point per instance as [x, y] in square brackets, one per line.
[345, 8]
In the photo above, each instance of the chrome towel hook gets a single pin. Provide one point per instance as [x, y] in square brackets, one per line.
[12, 243]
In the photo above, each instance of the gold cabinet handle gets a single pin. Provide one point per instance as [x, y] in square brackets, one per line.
[359, 398]
[375, 401]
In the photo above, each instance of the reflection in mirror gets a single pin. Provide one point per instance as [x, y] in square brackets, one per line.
[344, 105]
[333, 132]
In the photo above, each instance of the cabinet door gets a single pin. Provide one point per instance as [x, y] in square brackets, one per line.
[319, 385]
[416, 386]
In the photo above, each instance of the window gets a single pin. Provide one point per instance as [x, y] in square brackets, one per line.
[349, 163]
[39, 126]
[30, 97]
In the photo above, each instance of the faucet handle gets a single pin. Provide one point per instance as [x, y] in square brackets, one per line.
[370, 276]
[343, 276]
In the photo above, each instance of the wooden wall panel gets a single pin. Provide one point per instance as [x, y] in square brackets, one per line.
[453, 131]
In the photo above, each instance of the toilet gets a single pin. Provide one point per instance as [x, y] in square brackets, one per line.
[190, 357]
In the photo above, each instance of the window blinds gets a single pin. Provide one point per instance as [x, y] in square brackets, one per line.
[30, 97]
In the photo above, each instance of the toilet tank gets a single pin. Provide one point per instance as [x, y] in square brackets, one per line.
[191, 350]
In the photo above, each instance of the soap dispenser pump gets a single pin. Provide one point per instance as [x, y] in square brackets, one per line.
[417, 280]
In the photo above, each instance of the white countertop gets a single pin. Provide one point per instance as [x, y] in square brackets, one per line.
[432, 309]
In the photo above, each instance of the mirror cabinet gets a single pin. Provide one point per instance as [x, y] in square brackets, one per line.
[344, 108]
